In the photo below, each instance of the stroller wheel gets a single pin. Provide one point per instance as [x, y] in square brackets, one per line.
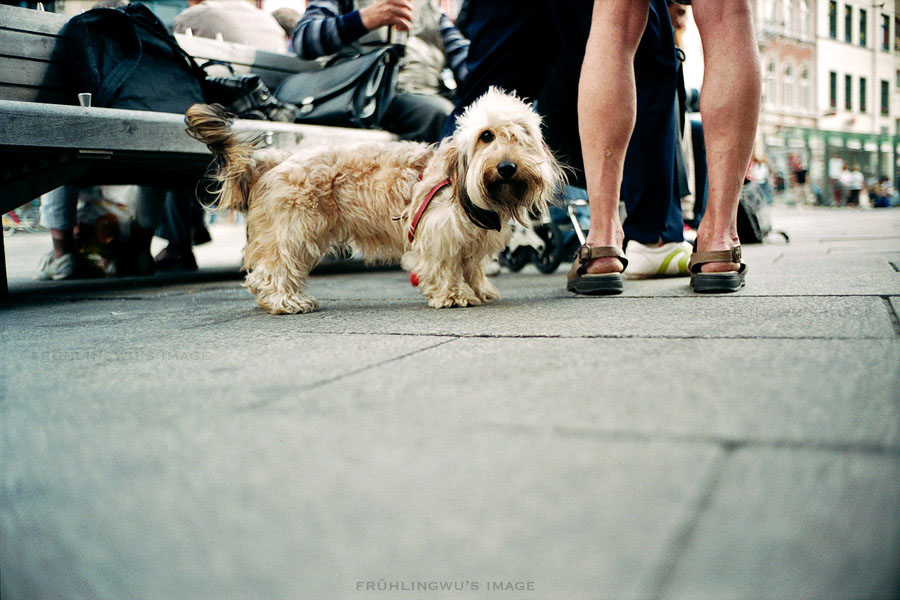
[514, 261]
[548, 260]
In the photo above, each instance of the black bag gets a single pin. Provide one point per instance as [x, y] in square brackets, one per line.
[754, 221]
[248, 98]
[125, 58]
[353, 89]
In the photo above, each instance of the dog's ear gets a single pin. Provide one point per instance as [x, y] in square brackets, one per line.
[456, 166]
[553, 176]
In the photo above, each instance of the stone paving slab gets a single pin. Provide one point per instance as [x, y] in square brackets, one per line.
[297, 507]
[782, 391]
[800, 525]
[382, 302]
[173, 441]
[198, 369]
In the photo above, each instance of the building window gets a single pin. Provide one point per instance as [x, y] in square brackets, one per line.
[832, 90]
[848, 23]
[787, 98]
[848, 93]
[805, 104]
[863, 28]
[771, 14]
[885, 32]
[787, 11]
[770, 84]
[863, 84]
[897, 75]
[832, 19]
[805, 21]
[897, 33]
[885, 97]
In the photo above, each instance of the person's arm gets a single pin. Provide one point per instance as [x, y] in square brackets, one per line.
[456, 47]
[325, 28]
[329, 25]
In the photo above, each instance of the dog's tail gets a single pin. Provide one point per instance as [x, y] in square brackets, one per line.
[211, 124]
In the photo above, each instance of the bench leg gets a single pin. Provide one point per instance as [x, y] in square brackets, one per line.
[4, 285]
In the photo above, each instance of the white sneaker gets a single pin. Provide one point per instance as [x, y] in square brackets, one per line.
[492, 268]
[56, 268]
[668, 260]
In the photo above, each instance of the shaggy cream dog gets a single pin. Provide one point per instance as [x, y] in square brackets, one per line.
[443, 210]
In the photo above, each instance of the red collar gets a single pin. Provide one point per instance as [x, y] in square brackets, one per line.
[418, 216]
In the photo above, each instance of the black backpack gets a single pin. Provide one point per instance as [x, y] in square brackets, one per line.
[126, 58]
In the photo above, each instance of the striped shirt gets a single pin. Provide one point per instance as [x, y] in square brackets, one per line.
[329, 25]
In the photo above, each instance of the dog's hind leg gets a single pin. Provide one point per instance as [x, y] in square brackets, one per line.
[281, 250]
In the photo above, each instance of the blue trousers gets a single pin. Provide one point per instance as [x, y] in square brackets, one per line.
[515, 43]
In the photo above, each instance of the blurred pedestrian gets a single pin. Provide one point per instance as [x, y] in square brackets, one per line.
[236, 21]
[855, 183]
[287, 18]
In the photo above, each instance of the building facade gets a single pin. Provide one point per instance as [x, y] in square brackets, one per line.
[786, 31]
[831, 86]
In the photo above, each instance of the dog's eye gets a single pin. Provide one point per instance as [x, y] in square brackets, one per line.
[487, 136]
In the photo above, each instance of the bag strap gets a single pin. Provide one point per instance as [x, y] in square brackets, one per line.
[221, 63]
[145, 17]
[340, 87]
[122, 71]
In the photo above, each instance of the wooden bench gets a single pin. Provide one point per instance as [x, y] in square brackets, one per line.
[46, 141]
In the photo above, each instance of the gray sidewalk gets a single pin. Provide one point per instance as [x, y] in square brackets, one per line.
[172, 441]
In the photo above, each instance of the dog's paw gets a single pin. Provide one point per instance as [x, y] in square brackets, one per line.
[453, 300]
[278, 304]
[488, 293]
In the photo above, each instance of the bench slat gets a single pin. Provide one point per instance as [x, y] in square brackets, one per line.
[33, 94]
[30, 45]
[30, 72]
[204, 49]
[24, 19]
[42, 126]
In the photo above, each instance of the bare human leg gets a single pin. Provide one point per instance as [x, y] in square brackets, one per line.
[606, 114]
[729, 105]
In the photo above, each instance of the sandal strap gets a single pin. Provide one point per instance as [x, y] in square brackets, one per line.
[727, 256]
[586, 253]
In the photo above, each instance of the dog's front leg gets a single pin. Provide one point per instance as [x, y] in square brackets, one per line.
[478, 281]
[444, 284]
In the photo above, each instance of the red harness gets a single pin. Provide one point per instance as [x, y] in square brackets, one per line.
[418, 216]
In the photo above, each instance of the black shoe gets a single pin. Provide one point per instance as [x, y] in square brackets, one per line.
[171, 259]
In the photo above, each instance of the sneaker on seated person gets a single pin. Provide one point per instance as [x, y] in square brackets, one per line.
[56, 267]
[664, 260]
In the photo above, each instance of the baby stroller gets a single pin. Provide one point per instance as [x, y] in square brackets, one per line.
[551, 238]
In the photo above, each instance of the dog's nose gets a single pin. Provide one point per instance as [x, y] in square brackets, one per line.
[507, 169]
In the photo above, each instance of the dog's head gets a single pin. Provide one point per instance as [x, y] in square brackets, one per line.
[498, 162]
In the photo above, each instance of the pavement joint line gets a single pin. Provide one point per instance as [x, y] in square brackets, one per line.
[599, 336]
[248, 315]
[336, 378]
[895, 318]
[858, 238]
[33, 300]
[661, 575]
[725, 443]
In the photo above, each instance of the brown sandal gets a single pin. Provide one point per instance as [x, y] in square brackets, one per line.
[712, 283]
[589, 284]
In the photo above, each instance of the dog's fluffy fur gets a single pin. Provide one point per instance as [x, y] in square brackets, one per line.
[300, 204]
